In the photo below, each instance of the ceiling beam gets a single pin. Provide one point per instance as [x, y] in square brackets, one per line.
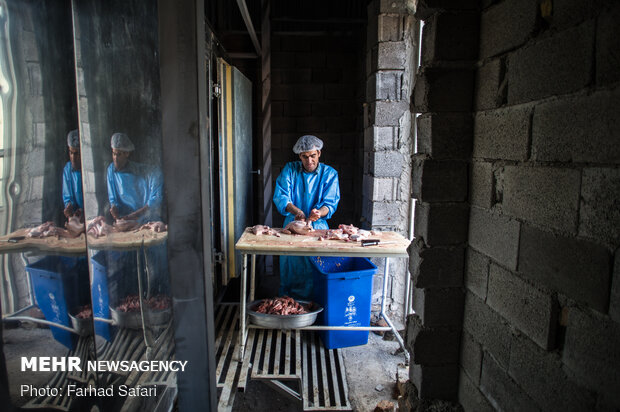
[248, 23]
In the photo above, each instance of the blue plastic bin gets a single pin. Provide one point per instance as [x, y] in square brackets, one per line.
[55, 284]
[343, 286]
[114, 273]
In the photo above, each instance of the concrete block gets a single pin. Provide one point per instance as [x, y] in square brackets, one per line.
[607, 47]
[477, 273]
[526, 307]
[503, 133]
[439, 307]
[547, 196]
[470, 398]
[391, 27]
[568, 13]
[387, 113]
[387, 163]
[445, 135]
[556, 65]
[591, 352]
[298, 109]
[541, 375]
[490, 90]
[380, 189]
[441, 223]
[431, 346]
[311, 60]
[387, 6]
[443, 90]
[578, 129]
[450, 36]
[340, 91]
[283, 60]
[384, 213]
[330, 75]
[501, 391]
[482, 185]
[311, 125]
[386, 85]
[574, 267]
[494, 235]
[599, 214]
[435, 381]
[436, 266]
[283, 124]
[292, 75]
[487, 328]
[471, 357]
[390, 56]
[426, 8]
[308, 92]
[505, 26]
[614, 300]
[382, 138]
[440, 181]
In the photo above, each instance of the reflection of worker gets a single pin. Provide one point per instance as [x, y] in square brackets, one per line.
[305, 189]
[135, 190]
[72, 178]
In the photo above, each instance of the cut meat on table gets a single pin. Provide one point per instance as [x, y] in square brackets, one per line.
[259, 230]
[281, 306]
[298, 227]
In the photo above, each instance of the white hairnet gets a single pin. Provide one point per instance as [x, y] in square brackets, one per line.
[73, 139]
[307, 143]
[121, 141]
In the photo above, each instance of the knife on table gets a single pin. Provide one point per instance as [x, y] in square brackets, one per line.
[374, 242]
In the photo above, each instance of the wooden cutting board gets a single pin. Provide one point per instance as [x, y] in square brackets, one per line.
[300, 245]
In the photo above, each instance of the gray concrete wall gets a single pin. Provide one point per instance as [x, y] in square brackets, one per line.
[522, 111]
[388, 143]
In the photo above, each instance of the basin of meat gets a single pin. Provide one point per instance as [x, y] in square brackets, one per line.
[283, 313]
[82, 320]
[128, 315]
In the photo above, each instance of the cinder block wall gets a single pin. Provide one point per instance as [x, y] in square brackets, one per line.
[518, 181]
[540, 329]
[388, 143]
[317, 86]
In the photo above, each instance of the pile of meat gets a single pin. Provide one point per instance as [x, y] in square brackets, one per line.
[348, 233]
[281, 306]
[98, 226]
[85, 312]
[73, 229]
[259, 230]
[299, 227]
[131, 303]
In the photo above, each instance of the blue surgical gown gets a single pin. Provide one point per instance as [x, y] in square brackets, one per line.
[136, 186]
[307, 191]
[72, 187]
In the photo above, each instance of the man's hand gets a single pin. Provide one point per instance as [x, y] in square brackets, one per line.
[314, 215]
[114, 212]
[68, 211]
[294, 210]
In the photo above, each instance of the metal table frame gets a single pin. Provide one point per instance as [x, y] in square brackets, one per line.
[244, 324]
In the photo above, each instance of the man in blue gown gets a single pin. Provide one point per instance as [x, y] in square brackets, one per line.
[305, 189]
[135, 190]
[72, 196]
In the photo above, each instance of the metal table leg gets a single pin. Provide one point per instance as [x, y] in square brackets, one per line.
[242, 330]
[384, 315]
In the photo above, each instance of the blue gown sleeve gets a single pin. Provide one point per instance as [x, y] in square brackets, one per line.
[156, 188]
[282, 195]
[330, 192]
[66, 185]
[112, 187]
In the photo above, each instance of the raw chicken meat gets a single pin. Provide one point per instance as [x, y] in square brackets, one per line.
[264, 230]
[74, 226]
[298, 227]
[48, 229]
[98, 227]
[281, 306]
[122, 225]
[156, 227]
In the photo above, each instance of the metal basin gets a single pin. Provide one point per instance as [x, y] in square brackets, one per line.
[133, 320]
[83, 326]
[284, 321]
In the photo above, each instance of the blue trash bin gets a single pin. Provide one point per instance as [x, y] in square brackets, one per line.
[343, 286]
[55, 284]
